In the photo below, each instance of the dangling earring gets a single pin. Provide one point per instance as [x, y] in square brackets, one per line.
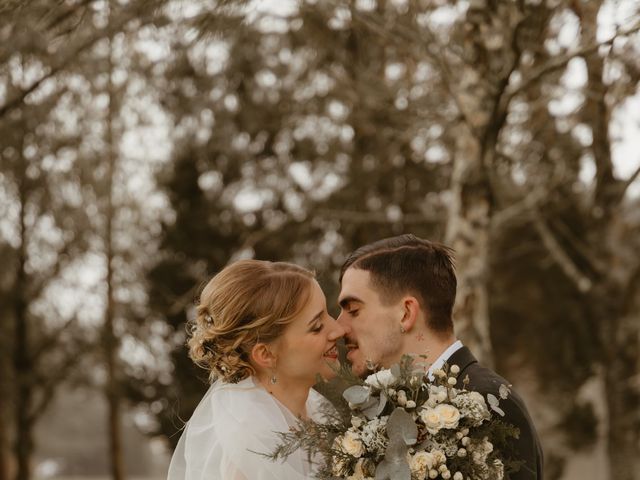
[402, 330]
[273, 378]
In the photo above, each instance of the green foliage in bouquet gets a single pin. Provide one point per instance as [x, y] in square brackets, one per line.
[397, 424]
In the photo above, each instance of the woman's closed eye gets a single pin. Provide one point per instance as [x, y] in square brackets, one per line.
[317, 327]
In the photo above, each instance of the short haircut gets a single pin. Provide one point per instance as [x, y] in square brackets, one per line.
[407, 264]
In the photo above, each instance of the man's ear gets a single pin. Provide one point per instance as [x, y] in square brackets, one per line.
[411, 313]
[262, 355]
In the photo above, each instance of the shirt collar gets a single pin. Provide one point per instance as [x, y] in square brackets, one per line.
[440, 361]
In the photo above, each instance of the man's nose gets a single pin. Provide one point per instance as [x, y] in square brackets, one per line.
[337, 331]
[343, 320]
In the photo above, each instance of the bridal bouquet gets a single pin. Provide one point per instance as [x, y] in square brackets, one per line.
[398, 425]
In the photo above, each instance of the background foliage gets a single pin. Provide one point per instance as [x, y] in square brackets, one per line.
[145, 144]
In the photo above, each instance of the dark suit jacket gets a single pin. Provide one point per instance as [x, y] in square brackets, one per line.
[485, 381]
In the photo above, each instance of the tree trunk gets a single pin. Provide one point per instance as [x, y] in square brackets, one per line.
[619, 361]
[483, 104]
[21, 360]
[5, 395]
[468, 234]
[110, 339]
[622, 406]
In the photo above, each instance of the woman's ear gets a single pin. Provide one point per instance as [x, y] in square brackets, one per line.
[263, 356]
[410, 314]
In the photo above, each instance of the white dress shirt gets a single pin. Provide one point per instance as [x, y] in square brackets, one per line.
[440, 361]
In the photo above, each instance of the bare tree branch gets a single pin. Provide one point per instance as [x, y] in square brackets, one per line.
[563, 61]
[352, 216]
[62, 63]
[50, 341]
[370, 21]
[628, 182]
[564, 261]
[523, 207]
[54, 378]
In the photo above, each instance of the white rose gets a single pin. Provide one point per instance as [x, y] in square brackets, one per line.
[402, 398]
[420, 464]
[439, 457]
[352, 444]
[449, 415]
[431, 420]
[381, 379]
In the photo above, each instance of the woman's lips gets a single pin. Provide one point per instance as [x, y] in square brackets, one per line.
[332, 353]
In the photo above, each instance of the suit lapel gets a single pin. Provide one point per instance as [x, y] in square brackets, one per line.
[463, 358]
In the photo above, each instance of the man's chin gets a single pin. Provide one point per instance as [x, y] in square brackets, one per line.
[358, 363]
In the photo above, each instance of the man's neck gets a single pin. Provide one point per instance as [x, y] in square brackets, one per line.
[428, 345]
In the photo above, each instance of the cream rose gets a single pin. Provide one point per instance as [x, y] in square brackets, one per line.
[449, 415]
[381, 379]
[431, 419]
[352, 444]
[420, 464]
[439, 458]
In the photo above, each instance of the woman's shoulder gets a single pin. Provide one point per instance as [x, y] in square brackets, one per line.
[247, 404]
[318, 407]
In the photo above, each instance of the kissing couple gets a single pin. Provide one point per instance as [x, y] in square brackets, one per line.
[263, 332]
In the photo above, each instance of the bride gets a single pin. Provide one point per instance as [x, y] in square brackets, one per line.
[263, 332]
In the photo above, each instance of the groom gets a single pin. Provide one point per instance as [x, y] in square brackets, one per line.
[397, 298]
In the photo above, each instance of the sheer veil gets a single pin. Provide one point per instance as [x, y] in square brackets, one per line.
[230, 424]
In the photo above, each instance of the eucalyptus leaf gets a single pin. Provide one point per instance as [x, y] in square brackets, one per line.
[395, 465]
[401, 426]
[493, 403]
[383, 471]
[381, 405]
[374, 407]
[395, 370]
[357, 394]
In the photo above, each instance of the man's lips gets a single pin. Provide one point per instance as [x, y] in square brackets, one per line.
[351, 344]
[351, 347]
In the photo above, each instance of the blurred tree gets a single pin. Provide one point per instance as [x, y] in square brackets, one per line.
[110, 341]
[442, 118]
[51, 177]
[46, 232]
[5, 363]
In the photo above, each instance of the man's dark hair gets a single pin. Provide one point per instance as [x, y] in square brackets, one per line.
[407, 264]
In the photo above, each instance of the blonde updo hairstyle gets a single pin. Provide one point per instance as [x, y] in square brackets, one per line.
[248, 302]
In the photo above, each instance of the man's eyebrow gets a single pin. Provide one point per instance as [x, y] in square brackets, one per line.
[316, 317]
[347, 300]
